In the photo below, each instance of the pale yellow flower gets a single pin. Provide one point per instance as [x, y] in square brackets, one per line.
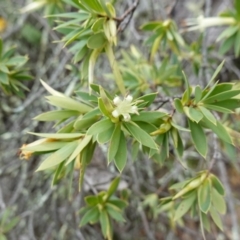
[124, 107]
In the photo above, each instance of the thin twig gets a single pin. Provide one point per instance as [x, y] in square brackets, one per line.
[141, 211]
[129, 11]
[129, 14]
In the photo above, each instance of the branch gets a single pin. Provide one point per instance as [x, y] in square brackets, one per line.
[129, 12]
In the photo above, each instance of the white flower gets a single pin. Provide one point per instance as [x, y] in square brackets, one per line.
[124, 107]
[201, 23]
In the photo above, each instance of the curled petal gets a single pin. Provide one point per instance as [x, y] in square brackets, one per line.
[126, 117]
[129, 98]
[116, 100]
[115, 113]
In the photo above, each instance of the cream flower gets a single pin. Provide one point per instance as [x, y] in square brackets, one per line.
[201, 23]
[124, 107]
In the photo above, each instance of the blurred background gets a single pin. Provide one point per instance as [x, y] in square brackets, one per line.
[29, 206]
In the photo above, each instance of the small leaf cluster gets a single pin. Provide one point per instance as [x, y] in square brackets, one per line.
[12, 71]
[91, 30]
[165, 35]
[139, 74]
[84, 125]
[202, 195]
[223, 97]
[7, 222]
[230, 37]
[102, 208]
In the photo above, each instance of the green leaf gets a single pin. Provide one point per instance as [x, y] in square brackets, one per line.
[221, 87]
[4, 78]
[214, 75]
[228, 104]
[205, 196]
[100, 127]
[140, 135]
[208, 115]
[198, 94]
[105, 136]
[10, 225]
[180, 128]
[97, 41]
[90, 215]
[68, 103]
[226, 45]
[216, 183]
[193, 114]
[184, 206]
[113, 187]
[81, 145]
[205, 221]
[98, 25]
[58, 135]
[56, 115]
[3, 237]
[85, 122]
[222, 96]
[217, 220]
[121, 155]
[114, 143]
[164, 148]
[114, 212]
[218, 202]
[57, 173]
[150, 26]
[147, 99]
[118, 202]
[218, 108]
[178, 105]
[180, 147]
[188, 91]
[58, 156]
[105, 224]
[219, 129]
[199, 138]
[44, 147]
[91, 200]
[15, 61]
[237, 44]
[228, 32]
[93, 5]
[148, 116]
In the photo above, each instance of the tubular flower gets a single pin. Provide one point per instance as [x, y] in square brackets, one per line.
[201, 23]
[25, 153]
[124, 107]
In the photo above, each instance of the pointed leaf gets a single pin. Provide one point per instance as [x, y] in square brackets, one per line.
[121, 155]
[140, 135]
[217, 185]
[199, 138]
[184, 206]
[205, 196]
[114, 143]
[81, 145]
[57, 157]
[216, 218]
[89, 216]
[100, 127]
[218, 202]
[208, 115]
